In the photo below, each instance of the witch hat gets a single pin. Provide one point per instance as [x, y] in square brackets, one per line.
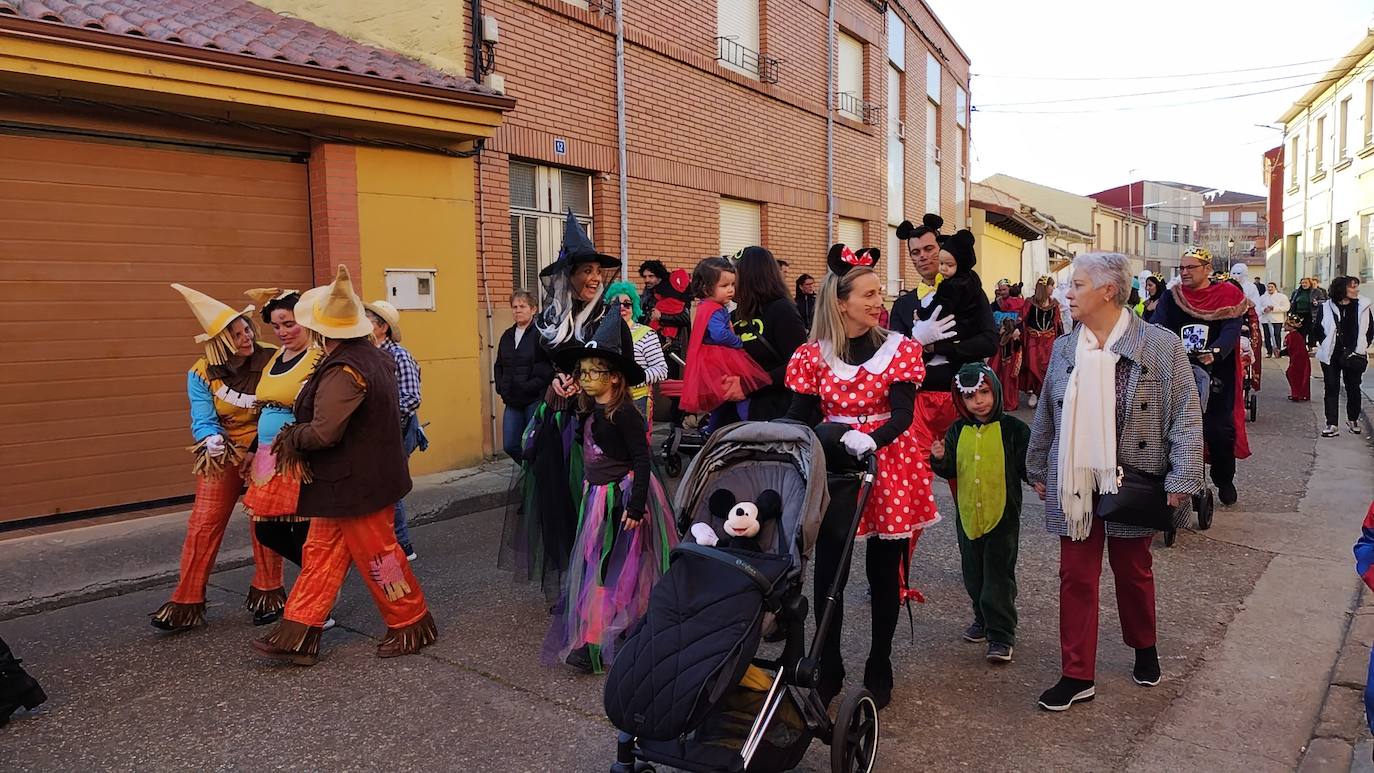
[577, 248]
[611, 343]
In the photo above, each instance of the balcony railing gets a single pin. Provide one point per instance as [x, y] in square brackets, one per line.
[850, 104]
[765, 68]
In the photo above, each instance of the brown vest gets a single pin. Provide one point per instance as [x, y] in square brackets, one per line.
[367, 469]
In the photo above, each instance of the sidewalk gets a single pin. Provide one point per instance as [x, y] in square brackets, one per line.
[82, 563]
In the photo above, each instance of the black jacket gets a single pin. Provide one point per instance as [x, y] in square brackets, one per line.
[975, 335]
[770, 340]
[522, 372]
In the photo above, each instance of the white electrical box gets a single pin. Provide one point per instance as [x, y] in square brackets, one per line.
[410, 288]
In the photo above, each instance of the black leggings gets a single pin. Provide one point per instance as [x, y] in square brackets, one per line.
[1352, 372]
[285, 538]
[882, 563]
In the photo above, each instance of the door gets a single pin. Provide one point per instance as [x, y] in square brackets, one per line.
[93, 408]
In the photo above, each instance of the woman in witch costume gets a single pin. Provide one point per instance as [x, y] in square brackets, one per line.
[539, 530]
[625, 524]
[863, 381]
[224, 423]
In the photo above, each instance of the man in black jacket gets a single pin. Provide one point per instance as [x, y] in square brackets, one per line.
[522, 372]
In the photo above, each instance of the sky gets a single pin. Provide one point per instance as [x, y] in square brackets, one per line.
[1086, 50]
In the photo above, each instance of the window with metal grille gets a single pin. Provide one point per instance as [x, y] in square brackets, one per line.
[524, 245]
[523, 186]
[577, 191]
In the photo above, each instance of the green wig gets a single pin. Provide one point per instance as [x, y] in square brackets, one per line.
[628, 290]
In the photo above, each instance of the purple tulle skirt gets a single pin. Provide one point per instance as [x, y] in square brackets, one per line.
[611, 572]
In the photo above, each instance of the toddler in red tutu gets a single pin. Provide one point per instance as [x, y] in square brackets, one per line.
[1299, 365]
[719, 373]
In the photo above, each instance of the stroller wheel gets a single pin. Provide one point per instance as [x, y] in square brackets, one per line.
[672, 464]
[1204, 504]
[854, 747]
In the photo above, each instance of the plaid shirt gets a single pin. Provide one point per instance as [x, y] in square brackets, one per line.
[407, 377]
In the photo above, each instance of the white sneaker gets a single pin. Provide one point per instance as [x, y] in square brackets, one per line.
[329, 623]
[1330, 431]
[1354, 427]
[411, 556]
[1033, 401]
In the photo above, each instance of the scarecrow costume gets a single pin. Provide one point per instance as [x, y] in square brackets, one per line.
[987, 459]
[221, 387]
[613, 568]
[346, 445]
[542, 520]
[272, 497]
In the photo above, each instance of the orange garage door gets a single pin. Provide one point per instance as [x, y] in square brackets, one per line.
[95, 349]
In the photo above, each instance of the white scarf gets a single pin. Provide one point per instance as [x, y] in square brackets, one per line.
[1087, 429]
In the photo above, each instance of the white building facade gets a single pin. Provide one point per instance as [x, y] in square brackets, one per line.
[1328, 168]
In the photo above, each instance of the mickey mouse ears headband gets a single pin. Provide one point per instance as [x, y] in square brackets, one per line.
[930, 223]
[841, 259]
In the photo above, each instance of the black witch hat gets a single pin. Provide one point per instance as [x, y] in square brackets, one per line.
[577, 248]
[611, 343]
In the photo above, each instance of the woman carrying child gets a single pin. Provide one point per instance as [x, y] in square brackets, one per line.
[625, 524]
[862, 381]
[987, 449]
[719, 372]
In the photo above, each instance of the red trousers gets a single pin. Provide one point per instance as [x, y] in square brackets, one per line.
[935, 412]
[1080, 568]
[369, 543]
[215, 500]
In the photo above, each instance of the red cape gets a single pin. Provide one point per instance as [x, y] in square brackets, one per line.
[1219, 301]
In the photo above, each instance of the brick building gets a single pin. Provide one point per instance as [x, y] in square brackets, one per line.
[726, 108]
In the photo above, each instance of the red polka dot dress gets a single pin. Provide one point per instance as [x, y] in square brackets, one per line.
[901, 503]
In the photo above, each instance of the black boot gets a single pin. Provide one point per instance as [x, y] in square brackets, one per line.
[17, 688]
[1146, 672]
[878, 680]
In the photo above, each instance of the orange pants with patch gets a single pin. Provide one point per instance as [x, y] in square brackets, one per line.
[215, 500]
[369, 543]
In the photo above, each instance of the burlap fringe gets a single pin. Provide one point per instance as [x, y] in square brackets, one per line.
[179, 616]
[290, 462]
[409, 640]
[262, 601]
[219, 348]
[292, 636]
[277, 518]
[214, 466]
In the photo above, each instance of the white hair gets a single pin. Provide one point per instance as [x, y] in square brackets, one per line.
[1107, 268]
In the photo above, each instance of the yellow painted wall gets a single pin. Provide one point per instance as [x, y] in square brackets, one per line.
[434, 31]
[415, 210]
[999, 253]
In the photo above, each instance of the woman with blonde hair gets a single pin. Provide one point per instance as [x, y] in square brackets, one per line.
[862, 381]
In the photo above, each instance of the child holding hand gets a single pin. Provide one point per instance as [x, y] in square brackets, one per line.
[984, 452]
[719, 372]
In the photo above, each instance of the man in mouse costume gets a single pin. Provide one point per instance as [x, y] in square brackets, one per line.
[346, 444]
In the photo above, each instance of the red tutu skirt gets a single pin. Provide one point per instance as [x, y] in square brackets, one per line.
[708, 365]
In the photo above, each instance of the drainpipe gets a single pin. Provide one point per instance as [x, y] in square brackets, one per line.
[830, 123]
[620, 140]
[476, 25]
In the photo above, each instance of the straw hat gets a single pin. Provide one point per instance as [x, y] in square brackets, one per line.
[334, 310]
[390, 315]
[212, 315]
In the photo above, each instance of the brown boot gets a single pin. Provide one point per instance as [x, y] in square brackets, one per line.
[293, 642]
[408, 640]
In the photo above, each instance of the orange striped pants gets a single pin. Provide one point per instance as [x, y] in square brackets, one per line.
[215, 500]
[369, 543]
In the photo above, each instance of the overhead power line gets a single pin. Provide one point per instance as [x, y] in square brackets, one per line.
[1181, 90]
[1158, 77]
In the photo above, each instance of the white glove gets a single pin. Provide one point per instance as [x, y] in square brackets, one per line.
[704, 534]
[858, 443]
[928, 331]
[214, 445]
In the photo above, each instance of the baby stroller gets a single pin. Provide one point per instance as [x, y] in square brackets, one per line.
[687, 688]
[680, 441]
[1250, 379]
[1204, 502]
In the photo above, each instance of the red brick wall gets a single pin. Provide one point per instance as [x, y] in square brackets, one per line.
[697, 131]
[334, 211]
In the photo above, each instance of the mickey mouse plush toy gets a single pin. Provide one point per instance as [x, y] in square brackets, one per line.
[743, 520]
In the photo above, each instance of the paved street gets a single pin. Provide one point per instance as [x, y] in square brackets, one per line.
[1252, 614]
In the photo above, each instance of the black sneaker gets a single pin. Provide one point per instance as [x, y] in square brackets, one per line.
[1068, 692]
[999, 652]
[580, 659]
[975, 633]
[1226, 492]
[1146, 671]
[266, 618]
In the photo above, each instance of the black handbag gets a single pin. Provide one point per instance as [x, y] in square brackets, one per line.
[1140, 500]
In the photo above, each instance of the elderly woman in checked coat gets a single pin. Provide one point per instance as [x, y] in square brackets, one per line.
[1116, 367]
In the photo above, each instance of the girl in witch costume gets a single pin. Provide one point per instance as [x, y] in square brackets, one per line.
[1041, 323]
[272, 497]
[625, 524]
[863, 381]
[539, 528]
[221, 387]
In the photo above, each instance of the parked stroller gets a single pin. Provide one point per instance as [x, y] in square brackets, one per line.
[680, 440]
[687, 689]
[1204, 502]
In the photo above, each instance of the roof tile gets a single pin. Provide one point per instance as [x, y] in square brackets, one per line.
[237, 27]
